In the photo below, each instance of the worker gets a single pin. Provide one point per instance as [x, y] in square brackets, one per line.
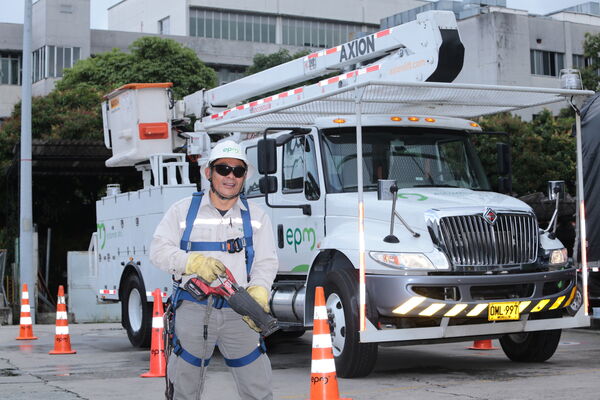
[200, 236]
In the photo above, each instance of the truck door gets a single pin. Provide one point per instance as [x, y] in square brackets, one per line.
[298, 236]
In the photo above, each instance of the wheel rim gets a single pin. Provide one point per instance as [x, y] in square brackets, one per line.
[337, 323]
[134, 310]
[519, 338]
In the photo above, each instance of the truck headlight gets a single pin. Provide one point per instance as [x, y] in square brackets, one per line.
[558, 256]
[405, 261]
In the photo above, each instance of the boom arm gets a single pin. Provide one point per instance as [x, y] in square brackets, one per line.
[432, 37]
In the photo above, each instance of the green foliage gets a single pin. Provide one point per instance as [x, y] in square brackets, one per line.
[542, 150]
[591, 49]
[152, 60]
[73, 111]
[260, 62]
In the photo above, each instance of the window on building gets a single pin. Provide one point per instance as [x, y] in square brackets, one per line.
[547, 63]
[50, 61]
[10, 68]
[580, 62]
[232, 26]
[164, 26]
[325, 34]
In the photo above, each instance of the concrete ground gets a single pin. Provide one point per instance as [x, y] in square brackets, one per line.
[107, 367]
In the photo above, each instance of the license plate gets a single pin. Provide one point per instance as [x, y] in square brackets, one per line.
[506, 311]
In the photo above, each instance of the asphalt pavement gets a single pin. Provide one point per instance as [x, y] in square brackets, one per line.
[107, 367]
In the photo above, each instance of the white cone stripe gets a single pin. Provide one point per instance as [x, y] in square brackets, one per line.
[322, 366]
[157, 322]
[61, 299]
[321, 341]
[25, 321]
[62, 330]
[320, 312]
[61, 315]
[25, 308]
[25, 296]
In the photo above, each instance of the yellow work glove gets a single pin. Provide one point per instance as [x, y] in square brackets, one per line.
[261, 295]
[206, 268]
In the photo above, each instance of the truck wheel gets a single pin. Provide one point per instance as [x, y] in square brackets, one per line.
[352, 358]
[530, 346]
[136, 312]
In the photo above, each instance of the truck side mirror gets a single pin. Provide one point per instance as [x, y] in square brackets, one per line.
[556, 189]
[504, 159]
[267, 157]
[267, 184]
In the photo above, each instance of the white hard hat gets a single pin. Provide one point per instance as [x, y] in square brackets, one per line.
[229, 149]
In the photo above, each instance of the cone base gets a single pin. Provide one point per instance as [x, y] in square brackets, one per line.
[153, 375]
[482, 346]
[27, 338]
[62, 352]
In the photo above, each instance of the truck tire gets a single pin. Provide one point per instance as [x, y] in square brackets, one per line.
[136, 312]
[530, 346]
[352, 358]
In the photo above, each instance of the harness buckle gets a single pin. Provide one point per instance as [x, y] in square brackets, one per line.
[235, 245]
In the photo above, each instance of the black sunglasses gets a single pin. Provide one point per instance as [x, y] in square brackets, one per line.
[224, 170]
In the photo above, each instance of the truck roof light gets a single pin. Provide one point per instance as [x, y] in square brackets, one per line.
[339, 121]
[430, 119]
[396, 119]
[413, 119]
[474, 124]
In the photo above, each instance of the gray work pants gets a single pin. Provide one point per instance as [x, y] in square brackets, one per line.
[235, 340]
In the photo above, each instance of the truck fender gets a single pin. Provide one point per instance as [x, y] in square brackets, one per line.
[130, 268]
[327, 260]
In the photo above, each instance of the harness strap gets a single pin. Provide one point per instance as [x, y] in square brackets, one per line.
[249, 245]
[248, 358]
[187, 356]
[231, 245]
[218, 302]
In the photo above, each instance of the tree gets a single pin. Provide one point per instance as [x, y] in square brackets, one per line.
[542, 149]
[591, 52]
[73, 111]
[152, 60]
[261, 62]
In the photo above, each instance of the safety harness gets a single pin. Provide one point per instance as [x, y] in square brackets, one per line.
[230, 246]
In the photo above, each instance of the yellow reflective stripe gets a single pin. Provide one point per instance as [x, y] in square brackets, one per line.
[557, 303]
[432, 309]
[523, 305]
[454, 311]
[540, 306]
[572, 296]
[477, 310]
[409, 305]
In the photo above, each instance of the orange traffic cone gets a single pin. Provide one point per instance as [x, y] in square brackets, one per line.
[323, 379]
[485, 344]
[62, 340]
[157, 345]
[26, 330]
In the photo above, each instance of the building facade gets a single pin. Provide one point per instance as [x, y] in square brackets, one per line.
[502, 46]
[506, 46]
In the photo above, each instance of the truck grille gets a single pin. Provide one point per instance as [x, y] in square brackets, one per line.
[471, 241]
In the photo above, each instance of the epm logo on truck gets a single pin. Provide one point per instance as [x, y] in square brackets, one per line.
[297, 236]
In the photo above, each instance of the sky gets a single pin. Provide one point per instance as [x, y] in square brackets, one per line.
[12, 10]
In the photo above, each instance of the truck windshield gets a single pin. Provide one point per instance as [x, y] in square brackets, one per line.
[413, 157]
